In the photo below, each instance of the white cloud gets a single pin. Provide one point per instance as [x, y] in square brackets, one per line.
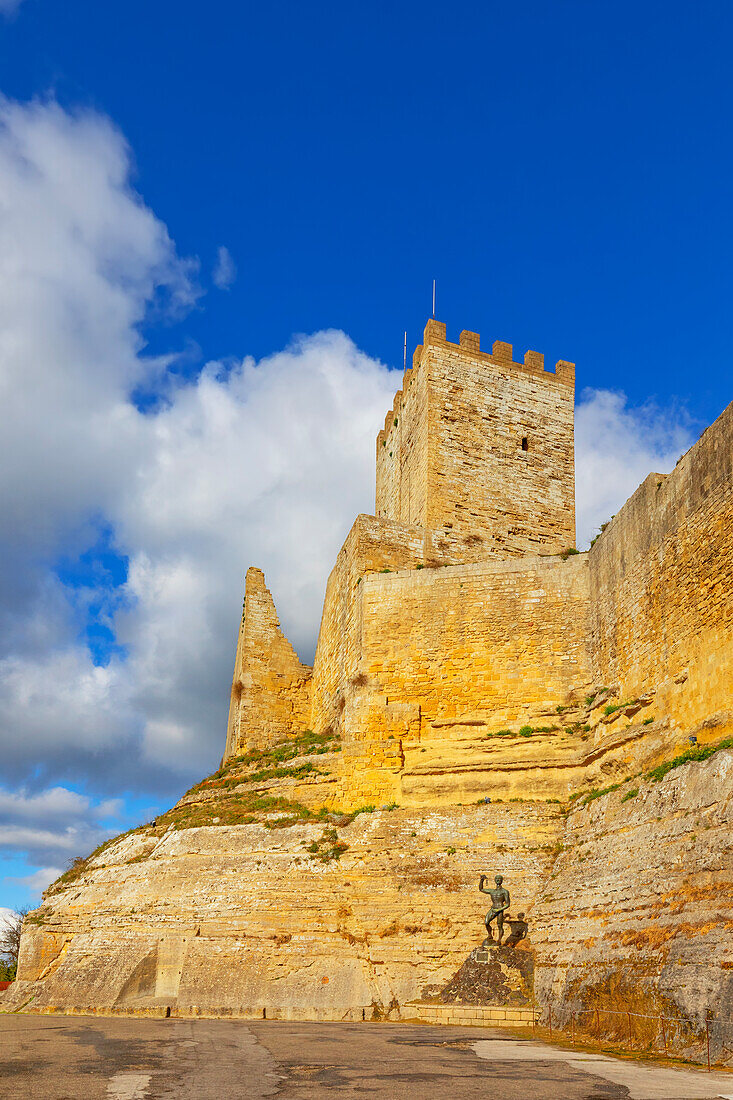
[616, 446]
[225, 270]
[52, 825]
[40, 879]
[263, 463]
[267, 464]
[81, 261]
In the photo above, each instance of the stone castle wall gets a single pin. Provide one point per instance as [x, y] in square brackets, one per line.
[371, 545]
[652, 612]
[661, 586]
[439, 676]
[427, 638]
[402, 451]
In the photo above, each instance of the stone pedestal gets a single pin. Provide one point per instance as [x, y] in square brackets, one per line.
[493, 975]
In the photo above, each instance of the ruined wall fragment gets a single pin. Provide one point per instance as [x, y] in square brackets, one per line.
[271, 689]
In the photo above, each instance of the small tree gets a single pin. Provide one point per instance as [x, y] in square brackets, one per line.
[10, 944]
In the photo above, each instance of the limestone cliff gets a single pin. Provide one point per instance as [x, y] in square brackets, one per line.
[304, 914]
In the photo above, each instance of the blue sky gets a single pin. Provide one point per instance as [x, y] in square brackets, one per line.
[561, 168]
[222, 218]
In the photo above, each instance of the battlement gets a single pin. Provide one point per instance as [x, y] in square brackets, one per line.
[501, 353]
[391, 420]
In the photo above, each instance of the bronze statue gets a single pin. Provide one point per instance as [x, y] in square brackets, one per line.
[499, 905]
[519, 928]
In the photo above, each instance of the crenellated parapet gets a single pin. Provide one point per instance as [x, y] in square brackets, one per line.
[501, 353]
[392, 418]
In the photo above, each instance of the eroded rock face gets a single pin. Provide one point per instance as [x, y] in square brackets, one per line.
[628, 898]
[244, 920]
[638, 910]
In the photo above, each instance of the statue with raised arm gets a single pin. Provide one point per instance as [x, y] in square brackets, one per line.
[499, 905]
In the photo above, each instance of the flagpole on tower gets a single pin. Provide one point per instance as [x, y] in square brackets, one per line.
[433, 299]
[404, 354]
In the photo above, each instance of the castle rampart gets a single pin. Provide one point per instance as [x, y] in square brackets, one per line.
[661, 584]
[418, 645]
[438, 678]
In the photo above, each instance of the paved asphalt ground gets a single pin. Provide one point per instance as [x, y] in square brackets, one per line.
[94, 1058]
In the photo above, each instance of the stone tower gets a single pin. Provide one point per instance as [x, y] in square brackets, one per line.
[480, 449]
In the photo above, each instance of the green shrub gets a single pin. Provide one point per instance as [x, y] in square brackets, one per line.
[630, 794]
[281, 773]
[8, 970]
[328, 847]
[613, 707]
[593, 541]
[698, 753]
[592, 795]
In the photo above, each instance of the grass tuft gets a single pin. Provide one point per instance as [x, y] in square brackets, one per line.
[328, 847]
[599, 793]
[699, 753]
[613, 707]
